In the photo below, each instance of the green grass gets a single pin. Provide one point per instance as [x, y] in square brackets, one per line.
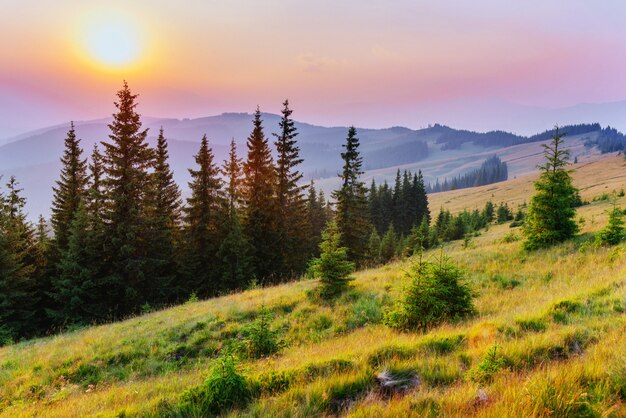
[557, 317]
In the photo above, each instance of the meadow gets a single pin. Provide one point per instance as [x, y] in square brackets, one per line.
[549, 338]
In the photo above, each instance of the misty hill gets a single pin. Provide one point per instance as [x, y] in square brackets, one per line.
[439, 151]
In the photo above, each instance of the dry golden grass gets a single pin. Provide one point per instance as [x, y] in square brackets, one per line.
[577, 361]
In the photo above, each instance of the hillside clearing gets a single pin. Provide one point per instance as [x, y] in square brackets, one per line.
[557, 316]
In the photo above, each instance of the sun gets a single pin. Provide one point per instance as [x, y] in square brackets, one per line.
[113, 42]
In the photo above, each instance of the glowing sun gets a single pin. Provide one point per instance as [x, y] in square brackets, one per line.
[113, 42]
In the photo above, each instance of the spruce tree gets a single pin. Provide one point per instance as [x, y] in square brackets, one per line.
[388, 245]
[164, 204]
[234, 251]
[373, 249]
[332, 267]
[259, 210]
[69, 191]
[75, 290]
[551, 212]
[351, 201]
[613, 233]
[127, 161]
[421, 199]
[96, 243]
[291, 222]
[318, 216]
[18, 269]
[204, 215]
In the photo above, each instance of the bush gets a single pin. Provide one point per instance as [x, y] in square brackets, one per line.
[436, 294]
[332, 267]
[261, 340]
[613, 233]
[485, 371]
[225, 388]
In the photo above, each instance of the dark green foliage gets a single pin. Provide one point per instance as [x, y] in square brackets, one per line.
[318, 214]
[75, 288]
[234, 251]
[492, 170]
[613, 233]
[19, 255]
[404, 207]
[127, 161]
[551, 212]
[291, 219]
[332, 267]
[503, 214]
[352, 209]
[69, 191]
[489, 212]
[373, 249]
[388, 245]
[164, 213]
[436, 294]
[261, 340]
[204, 215]
[259, 211]
[223, 389]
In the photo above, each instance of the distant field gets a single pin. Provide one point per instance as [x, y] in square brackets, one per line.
[521, 160]
[592, 176]
[557, 316]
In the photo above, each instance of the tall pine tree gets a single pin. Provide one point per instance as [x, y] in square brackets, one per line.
[69, 191]
[165, 212]
[351, 202]
[127, 162]
[234, 251]
[18, 268]
[259, 211]
[204, 214]
[291, 222]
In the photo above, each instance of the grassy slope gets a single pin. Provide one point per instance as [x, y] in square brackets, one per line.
[578, 358]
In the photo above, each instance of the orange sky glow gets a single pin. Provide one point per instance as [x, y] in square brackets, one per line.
[364, 62]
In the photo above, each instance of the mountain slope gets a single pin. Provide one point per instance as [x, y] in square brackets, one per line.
[555, 357]
[34, 158]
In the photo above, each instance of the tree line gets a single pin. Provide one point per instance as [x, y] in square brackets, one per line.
[121, 238]
[492, 170]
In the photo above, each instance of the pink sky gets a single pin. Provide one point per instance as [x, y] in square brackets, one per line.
[339, 62]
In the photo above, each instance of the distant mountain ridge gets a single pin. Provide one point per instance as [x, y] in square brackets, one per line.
[440, 151]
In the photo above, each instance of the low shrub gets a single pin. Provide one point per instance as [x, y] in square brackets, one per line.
[261, 340]
[489, 366]
[436, 294]
[224, 389]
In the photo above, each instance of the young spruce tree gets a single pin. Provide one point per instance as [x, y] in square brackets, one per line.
[332, 267]
[551, 210]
